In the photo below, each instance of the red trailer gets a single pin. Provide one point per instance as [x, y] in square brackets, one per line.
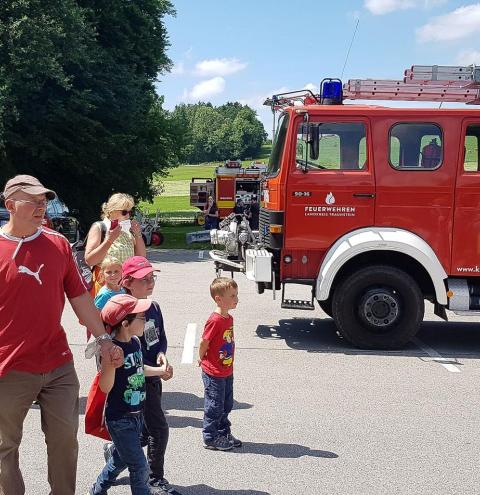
[231, 182]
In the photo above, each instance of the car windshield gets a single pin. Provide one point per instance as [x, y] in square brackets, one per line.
[278, 145]
[56, 207]
[4, 216]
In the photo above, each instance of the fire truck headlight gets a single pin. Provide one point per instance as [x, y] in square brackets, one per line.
[287, 259]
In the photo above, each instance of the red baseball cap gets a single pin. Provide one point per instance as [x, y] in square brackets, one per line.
[137, 267]
[121, 305]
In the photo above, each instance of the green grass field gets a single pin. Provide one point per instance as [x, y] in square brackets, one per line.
[175, 238]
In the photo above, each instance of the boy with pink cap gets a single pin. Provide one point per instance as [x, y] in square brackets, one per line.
[139, 280]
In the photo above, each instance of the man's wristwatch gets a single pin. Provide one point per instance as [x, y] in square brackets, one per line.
[101, 338]
[94, 346]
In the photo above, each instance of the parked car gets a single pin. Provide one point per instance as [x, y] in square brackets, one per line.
[57, 217]
[4, 216]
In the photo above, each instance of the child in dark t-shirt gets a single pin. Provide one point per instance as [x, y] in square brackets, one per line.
[139, 280]
[216, 353]
[125, 386]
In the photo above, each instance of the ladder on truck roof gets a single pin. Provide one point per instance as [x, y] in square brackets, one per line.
[460, 84]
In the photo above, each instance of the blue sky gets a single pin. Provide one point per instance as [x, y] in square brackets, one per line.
[246, 50]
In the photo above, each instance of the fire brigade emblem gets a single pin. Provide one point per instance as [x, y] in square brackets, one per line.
[330, 199]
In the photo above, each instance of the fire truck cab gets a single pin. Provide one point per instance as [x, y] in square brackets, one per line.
[375, 209]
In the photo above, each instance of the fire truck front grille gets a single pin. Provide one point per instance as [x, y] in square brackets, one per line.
[265, 219]
[264, 226]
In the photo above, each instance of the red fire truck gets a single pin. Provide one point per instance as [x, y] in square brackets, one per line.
[231, 182]
[374, 209]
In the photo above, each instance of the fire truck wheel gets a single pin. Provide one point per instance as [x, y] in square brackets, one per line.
[157, 238]
[326, 306]
[378, 307]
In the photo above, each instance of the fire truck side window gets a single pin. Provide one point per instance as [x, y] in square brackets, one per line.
[471, 159]
[278, 146]
[416, 146]
[335, 146]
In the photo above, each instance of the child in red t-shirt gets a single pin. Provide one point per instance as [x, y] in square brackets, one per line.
[216, 351]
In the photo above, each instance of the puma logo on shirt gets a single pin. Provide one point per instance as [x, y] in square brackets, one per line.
[27, 271]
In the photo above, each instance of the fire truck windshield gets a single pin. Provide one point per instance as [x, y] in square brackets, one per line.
[278, 146]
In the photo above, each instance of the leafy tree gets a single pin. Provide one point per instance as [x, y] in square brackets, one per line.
[78, 106]
[218, 133]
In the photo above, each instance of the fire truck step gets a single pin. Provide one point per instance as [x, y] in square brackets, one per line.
[297, 304]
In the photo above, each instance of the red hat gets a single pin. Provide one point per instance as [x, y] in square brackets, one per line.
[137, 267]
[121, 305]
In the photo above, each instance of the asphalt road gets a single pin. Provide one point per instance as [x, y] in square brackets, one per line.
[316, 416]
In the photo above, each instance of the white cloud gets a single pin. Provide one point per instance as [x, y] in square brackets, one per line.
[468, 57]
[178, 69]
[219, 67]
[381, 7]
[205, 89]
[312, 87]
[455, 25]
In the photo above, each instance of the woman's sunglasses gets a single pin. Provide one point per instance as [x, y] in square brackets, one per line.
[128, 212]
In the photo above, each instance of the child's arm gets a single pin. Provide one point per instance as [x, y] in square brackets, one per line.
[107, 375]
[160, 371]
[202, 349]
[162, 359]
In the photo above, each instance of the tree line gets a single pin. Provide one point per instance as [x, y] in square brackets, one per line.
[217, 133]
[78, 105]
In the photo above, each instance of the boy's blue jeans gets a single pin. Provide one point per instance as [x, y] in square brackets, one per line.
[218, 405]
[128, 452]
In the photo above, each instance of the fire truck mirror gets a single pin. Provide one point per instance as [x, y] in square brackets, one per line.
[305, 130]
[314, 141]
[310, 137]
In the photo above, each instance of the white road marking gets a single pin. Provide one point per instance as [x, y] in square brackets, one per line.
[200, 255]
[189, 343]
[438, 358]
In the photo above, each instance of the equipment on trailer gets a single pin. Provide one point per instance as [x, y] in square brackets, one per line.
[151, 232]
[371, 209]
[231, 182]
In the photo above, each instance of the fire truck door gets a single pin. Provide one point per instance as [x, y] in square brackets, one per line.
[336, 193]
[466, 226]
[225, 195]
[415, 169]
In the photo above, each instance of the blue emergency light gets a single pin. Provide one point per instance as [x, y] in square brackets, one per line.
[331, 92]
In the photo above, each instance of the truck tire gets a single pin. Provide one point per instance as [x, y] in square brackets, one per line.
[326, 306]
[378, 307]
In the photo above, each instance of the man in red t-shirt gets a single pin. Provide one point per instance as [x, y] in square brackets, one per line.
[36, 271]
[216, 352]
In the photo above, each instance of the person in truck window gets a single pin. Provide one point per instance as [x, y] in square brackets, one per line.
[211, 214]
[431, 154]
